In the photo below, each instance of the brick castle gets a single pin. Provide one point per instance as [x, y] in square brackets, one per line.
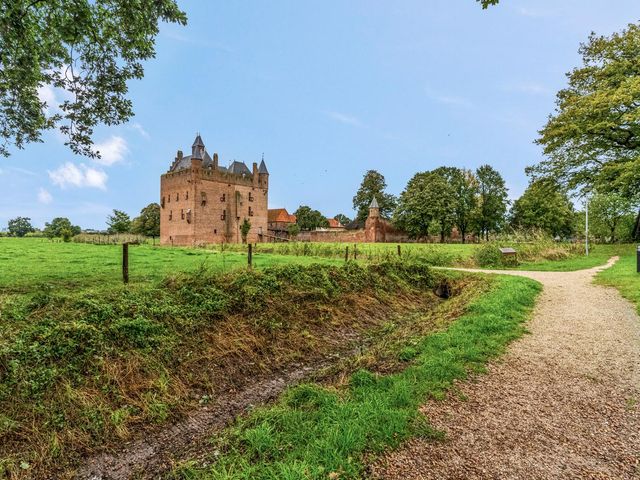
[204, 202]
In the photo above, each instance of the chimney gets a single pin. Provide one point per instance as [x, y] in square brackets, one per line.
[255, 173]
[215, 161]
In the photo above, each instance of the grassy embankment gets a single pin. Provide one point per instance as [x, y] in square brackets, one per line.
[318, 432]
[84, 369]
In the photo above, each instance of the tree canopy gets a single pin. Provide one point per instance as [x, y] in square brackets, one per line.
[60, 227]
[119, 222]
[611, 216]
[309, 219]
[20, 226]
[592, 141]
[148, 222]
[492, 201]
[546, 207]
[421, 203]
[86, 50]
[373, 185]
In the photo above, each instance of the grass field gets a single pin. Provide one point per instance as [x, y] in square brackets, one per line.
[598, 255]
[26, 263]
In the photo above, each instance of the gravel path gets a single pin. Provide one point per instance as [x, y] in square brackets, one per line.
[562, 403]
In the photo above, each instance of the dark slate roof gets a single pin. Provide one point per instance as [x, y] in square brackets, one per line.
[207, 162]
[198, 142]
[263, 168]
[239, 168]
[374, 203]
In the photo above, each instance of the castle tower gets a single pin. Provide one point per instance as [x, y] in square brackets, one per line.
[374, 227]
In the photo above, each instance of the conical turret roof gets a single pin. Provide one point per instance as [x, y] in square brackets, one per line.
[374, 203]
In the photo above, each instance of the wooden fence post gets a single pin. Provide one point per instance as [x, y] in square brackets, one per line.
[125, 262]
[346, 254]
[355, 251]
[399, 252]
[249, 255]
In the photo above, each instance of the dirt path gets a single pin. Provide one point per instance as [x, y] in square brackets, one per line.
[562, 403]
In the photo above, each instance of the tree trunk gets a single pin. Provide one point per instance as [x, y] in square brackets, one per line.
[636, 228]
[463, 232]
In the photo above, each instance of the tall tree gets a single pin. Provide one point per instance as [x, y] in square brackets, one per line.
[445, 216]
[492, 201]
[119, 222]
[607, 212]
[373, 185]
[20, 226]
[86, 49]
[148, 222]
[544, 206]
[59, 226]
[343, 219]
[465, 188]
[592, 141]
[309, 219]
[421, 204]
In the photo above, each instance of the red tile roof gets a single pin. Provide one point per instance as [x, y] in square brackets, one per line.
[333, 223]
[280, 215]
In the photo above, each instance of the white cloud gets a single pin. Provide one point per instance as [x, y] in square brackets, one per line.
[140, 129]
[44, 196]
[111, 151]
[82, 176]
[344, 118]
[47, 94]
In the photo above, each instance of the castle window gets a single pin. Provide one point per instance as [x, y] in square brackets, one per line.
[162, 202]
[224, 215]
[250, 212]
[203, 198]
[177, 197]
[223, 197]
[189, 215]
[187, 195]
[215, 231]
[250, 197]
[170, 214]
[182, 213]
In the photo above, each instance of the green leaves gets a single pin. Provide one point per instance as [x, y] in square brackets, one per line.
[82, 53]
[593, 138]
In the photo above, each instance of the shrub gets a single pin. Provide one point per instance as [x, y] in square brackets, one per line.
[488, 255]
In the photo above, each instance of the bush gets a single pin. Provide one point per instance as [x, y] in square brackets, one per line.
[488, 255]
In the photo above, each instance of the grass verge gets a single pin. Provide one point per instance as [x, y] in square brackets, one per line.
[623, 276]
[318, 432]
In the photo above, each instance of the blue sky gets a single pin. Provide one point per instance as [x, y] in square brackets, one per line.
[327, 90]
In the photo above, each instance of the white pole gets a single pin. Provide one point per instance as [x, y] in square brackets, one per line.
[586, 226]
